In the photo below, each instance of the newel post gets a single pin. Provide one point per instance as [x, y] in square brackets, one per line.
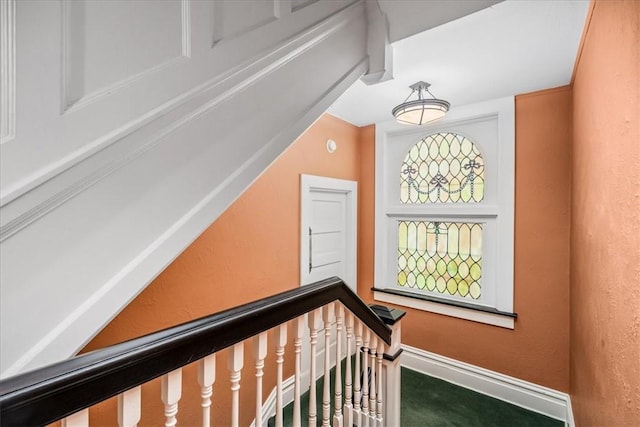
[391, 363]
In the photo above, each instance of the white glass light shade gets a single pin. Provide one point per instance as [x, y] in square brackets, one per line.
[421, 111]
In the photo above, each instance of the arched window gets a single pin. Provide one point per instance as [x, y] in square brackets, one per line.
[442, 168]
[436, 256]
[444, 214]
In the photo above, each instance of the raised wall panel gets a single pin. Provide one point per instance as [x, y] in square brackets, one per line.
[109, 43]
[299, 4]
[232, 18]
[125, 90]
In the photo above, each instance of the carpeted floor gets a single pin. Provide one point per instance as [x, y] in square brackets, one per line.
[428, 401]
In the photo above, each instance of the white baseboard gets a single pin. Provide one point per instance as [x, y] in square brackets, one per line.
[269, 405]
[569, 421]
[543, 400]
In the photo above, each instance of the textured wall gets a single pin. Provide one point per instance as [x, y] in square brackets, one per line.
[366, 209]
[250, 252]
[207, 276]
[605, 244]
[538, 349]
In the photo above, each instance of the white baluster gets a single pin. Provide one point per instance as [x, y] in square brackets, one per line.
[357, 390]
[79, 419]
[372, 381]
[206, 378]
[365, 377]
[129, 407]
[348, 385]
[235, 363]
[298, 332]
[337, 415]
[281, 341]
[379, 402]
[259, 353]
[314, 325]
[171, 393]
[327, 317]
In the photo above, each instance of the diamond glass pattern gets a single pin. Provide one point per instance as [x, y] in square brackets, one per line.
[440, 257]
[442, 168]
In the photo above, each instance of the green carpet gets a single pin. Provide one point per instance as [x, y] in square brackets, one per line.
[428, 401]
[431, 402]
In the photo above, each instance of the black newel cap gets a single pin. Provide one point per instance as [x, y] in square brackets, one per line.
[388, 315]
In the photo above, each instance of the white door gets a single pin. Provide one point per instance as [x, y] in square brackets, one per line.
[328, 229]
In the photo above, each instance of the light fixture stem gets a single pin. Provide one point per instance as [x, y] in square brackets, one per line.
[429, 92]
[412, 92]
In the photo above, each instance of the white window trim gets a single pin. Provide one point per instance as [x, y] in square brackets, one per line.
[499, 214]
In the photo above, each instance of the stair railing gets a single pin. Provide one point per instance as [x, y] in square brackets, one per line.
[368, 395]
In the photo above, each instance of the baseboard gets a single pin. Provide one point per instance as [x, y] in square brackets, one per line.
[543, 400]
[569, 421]
[269, 405]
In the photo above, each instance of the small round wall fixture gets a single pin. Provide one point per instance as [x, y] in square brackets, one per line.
[421, 110]
[331, 145]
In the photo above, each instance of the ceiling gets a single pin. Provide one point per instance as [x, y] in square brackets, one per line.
[509, 48]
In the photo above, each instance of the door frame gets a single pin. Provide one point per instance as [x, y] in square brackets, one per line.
[309, 183]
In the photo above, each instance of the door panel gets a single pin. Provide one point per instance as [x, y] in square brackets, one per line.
[328, 229]
[327, 234]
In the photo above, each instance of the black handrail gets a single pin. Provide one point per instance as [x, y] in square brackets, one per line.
[48, 394]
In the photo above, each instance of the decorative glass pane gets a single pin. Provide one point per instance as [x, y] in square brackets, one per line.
[440, 257]
[442, 168]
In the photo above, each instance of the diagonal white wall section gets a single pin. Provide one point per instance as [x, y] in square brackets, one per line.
[136, 124]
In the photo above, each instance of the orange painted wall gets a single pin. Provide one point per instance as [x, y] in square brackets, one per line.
[366, 211]
[605, 355]
[261, 229]
[538, 349]
[250, 252]
[605, 244]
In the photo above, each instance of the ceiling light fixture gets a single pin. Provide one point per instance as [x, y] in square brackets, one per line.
[422, 110]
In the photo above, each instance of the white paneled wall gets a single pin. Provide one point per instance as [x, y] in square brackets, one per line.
[128, 127]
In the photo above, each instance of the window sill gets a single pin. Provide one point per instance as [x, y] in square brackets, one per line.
[460, 310]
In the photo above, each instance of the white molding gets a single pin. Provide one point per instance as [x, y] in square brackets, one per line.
[570, 421]
[218, 19]
[269, 405]
[300, 5]
[484, 211]
[186, 28]
[7, 70]
[378, 46]
[534, 397]
[252, 69]
[77, 179]
[447, 310]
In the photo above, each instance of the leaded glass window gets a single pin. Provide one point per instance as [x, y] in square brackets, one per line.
[442, 168]
[444, 214]
[440, 257]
